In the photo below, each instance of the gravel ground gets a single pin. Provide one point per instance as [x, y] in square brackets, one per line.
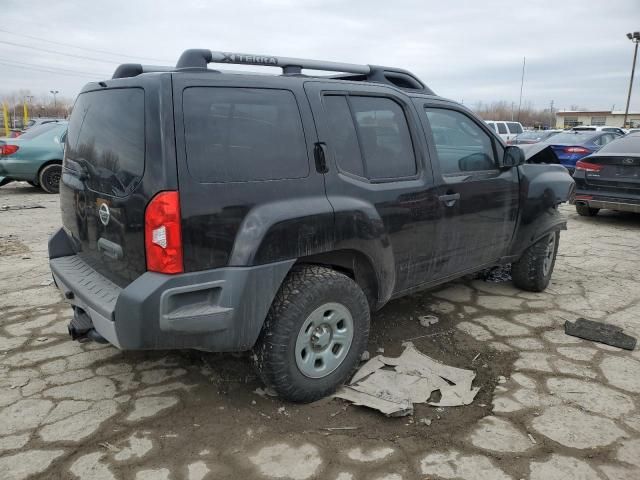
[565, 409]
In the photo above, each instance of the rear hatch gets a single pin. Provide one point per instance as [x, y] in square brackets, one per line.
[102, 194]
[617, 172]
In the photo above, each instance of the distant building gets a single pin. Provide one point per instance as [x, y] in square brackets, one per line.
[613, 118]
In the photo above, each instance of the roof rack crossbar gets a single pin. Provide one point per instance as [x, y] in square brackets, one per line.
[134, 69]
[197, 58]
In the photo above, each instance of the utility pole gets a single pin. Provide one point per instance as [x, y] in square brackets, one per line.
[552, 123]
[55, 103]
[635, 38]
[524, 61]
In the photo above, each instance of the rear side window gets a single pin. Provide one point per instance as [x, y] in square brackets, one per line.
[384, 137]
[502, 128]
[514, 127]
[344, 141]
[105, 139]
[243, 134]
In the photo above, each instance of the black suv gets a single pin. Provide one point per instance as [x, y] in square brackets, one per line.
[235, 211]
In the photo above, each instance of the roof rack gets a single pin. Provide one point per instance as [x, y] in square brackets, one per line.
[200, 58]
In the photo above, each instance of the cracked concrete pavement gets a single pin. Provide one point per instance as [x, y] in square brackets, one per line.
[565, 409]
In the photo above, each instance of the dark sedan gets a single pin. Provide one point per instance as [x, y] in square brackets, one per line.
[610, 178]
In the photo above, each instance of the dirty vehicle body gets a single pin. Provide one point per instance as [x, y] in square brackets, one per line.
[229, 212]
[34, 157]
[610, 178]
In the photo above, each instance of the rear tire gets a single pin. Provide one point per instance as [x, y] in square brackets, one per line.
[314, 334]
[532, 272]
[49, 178]
[586, 211]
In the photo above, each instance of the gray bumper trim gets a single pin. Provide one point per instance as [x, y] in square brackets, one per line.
[213, 310]
[609, 205]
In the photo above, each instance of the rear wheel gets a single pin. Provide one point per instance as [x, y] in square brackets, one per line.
[314, 334]
[586, 211]
[49, 178]
[532, 272]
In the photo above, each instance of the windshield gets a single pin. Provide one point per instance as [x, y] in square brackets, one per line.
[571, 138]
[39, 130]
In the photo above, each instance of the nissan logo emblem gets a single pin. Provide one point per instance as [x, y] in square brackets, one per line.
[104, 214]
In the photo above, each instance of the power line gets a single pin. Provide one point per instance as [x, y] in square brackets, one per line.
[49, 67]
[49, 71]
[83, 48]
[83, 57]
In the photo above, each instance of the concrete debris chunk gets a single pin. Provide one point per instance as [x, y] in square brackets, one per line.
[393, 385]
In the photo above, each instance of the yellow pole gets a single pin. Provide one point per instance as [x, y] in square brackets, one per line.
[25, 115]
[5, 113]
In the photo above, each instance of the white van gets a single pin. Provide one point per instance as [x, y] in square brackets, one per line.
[506, 130]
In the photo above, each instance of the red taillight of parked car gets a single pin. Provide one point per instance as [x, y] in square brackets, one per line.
[8, 149]
[588, 167]
[163, 233]
[576, 150]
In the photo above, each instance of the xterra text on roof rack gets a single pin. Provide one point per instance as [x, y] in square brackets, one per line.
[233, 211]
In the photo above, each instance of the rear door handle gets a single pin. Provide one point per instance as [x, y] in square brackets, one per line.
[449, 199]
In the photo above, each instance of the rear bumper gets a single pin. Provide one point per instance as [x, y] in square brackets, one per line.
[607, 201]
[213, 310]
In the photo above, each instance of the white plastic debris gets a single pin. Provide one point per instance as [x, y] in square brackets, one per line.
[393, 385]
[427, 320]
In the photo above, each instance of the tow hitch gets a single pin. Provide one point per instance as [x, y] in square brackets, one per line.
[81, 328]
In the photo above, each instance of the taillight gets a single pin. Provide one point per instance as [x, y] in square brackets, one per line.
[588, 167]
[8, 149]
[576, 150]
[163, 234]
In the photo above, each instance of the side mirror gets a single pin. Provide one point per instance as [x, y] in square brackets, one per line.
[513, 156]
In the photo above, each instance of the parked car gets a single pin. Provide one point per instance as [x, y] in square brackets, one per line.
[599, 128]
[36, 122]
[610, 178]
[529, 137]
[633, 130]
[507, 130]
[34, 157]
[568, 147]
[230, 212]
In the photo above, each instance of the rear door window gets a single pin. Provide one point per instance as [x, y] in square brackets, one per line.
[514, 128]
[243, 134]
[344, 141]
[384, 137]
[106, 140]
[502, 128]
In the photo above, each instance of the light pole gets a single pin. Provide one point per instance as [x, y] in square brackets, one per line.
[635, 38]
[54, 93]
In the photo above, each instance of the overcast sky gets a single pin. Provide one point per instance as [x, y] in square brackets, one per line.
[577, 52]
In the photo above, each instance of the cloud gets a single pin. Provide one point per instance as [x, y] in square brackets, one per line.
[577, 52]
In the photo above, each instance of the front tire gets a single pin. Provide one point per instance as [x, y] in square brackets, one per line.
[586, 211]
[49, 178]
[314, 334]
[532, 272]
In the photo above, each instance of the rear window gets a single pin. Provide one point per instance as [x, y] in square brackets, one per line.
[39, 130]
[105, 140]
[514, 127]
[243, 134]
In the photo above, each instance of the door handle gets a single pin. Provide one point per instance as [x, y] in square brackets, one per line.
[449, 199]
[320, 156]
